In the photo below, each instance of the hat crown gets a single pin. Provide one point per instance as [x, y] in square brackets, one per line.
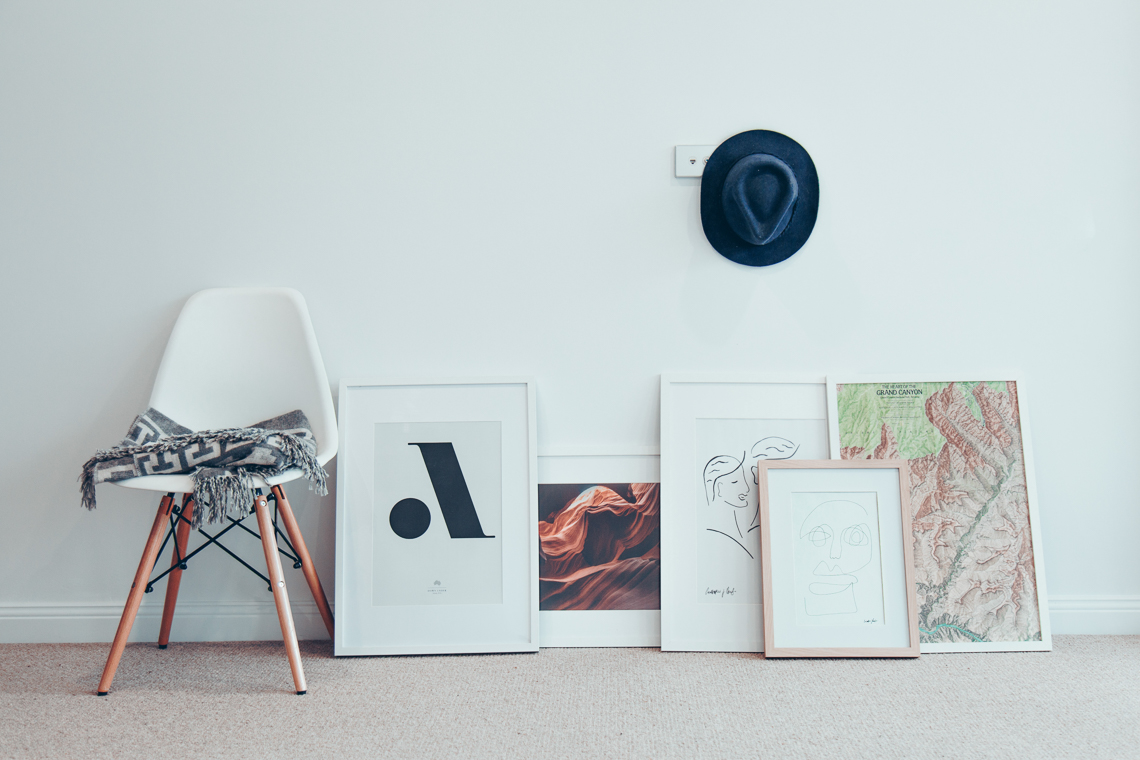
[758, 197]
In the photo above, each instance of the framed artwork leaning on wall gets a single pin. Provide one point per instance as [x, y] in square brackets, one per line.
[979, 569]
[599, 549]
[715, 429]
[437, 530]
[836, 553]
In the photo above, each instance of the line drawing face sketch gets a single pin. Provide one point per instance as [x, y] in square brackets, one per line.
[725, 497]
[726, 486]
[836, 532]
[838, 578]
[731, 491]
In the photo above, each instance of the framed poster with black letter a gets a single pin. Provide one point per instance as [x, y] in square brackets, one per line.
[436, 524]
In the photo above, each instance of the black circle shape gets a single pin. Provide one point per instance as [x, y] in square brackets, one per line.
[410, 518]
[716, 225]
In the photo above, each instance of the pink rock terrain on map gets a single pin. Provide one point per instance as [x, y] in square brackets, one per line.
[972, 544]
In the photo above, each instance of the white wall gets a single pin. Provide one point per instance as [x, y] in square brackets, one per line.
[486, 188]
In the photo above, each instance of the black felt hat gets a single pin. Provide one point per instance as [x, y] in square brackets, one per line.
[759, 197]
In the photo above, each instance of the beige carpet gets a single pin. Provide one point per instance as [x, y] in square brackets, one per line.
[236, 700]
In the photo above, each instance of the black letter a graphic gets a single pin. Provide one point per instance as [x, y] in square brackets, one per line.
[451, 490]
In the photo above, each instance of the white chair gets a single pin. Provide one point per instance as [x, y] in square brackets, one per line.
[235, 356]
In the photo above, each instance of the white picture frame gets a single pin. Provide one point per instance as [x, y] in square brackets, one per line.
[954, 619]
[594, 627]
[837, 558]
[710, 592]
[436, 479]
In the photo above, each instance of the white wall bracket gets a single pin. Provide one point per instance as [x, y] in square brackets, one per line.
[690, 160]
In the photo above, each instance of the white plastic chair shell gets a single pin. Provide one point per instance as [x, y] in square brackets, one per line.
[237, 356]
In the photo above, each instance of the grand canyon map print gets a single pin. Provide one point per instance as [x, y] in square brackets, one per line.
[973, 550]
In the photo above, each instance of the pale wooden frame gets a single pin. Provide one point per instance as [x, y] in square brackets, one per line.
[770, 648]
[1046, 643]
[344, 412]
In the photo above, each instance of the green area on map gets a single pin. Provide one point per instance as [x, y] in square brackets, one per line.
[865, 407]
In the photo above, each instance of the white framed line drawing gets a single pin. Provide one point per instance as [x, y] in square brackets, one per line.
[715, 430]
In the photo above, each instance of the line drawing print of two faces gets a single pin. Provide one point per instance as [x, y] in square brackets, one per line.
[731, 489]
[835, 535]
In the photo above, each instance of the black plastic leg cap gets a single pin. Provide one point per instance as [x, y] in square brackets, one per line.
[101, 693]
[162, 646]
[302, 692]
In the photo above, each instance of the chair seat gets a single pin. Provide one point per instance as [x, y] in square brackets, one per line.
[185, 483]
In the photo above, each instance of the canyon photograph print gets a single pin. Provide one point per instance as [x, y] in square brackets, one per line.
[599, 546]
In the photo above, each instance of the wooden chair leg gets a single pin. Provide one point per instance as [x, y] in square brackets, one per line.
[280, 594]
[307, 567]
[146, 565]
[174, 580]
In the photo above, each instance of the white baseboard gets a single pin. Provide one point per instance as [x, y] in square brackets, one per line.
[1095, 614]
[193, 621]
[257, 621]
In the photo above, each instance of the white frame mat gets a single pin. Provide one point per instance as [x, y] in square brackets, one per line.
[373, 619]
[599, 628]
[698, 411]
[1046, 642]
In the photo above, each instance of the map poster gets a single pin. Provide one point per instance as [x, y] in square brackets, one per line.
[979, 580]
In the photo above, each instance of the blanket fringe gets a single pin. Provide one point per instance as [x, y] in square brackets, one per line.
[219, 492]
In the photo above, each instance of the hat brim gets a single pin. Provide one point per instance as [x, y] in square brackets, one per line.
[799, 227]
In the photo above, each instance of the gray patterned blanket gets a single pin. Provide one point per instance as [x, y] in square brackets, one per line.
[221, 461]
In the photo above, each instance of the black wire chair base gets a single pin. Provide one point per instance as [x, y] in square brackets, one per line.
[181, 562]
